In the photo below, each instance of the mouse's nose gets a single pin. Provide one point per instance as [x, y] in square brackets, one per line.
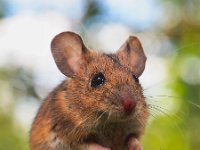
[127, 100]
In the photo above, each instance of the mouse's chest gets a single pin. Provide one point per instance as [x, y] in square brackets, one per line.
[114, 135]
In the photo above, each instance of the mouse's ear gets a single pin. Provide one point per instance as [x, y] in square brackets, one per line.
[131, 54]
[68, 50]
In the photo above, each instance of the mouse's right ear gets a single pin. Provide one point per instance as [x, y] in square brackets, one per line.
[68, 50]
[131, 55]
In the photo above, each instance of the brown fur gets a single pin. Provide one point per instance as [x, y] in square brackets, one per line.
[76, 114]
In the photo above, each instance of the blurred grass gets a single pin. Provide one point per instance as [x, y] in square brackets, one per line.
[11, 137]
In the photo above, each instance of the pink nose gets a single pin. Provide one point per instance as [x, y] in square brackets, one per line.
[128, 104]
[127, 101]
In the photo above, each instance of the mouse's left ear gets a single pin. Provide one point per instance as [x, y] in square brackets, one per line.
[131, 55]
[69, 53]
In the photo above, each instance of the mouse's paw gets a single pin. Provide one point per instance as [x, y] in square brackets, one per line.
[134, 144]
[94, 146]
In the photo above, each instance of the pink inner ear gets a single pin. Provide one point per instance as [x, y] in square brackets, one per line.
[75, 64]
[131, 54]
[68, 50]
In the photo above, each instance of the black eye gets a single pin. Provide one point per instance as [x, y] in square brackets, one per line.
[98, 80]
[136, 78]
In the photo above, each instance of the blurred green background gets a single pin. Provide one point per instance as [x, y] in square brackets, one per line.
[168, 29]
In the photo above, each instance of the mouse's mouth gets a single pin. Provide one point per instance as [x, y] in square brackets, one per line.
[122, 103]
[115, 115]
[121, 113]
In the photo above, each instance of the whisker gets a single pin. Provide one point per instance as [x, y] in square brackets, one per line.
[154, 85]
[140, 121]
[154, 112]
[174, 122]
[166, 111]
[187, 46]
[174, 97]
[99, 117]
[76, 128]
[164, 105]
[194, 104]
[160, 110]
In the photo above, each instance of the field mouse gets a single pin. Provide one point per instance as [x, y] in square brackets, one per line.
[99, 106]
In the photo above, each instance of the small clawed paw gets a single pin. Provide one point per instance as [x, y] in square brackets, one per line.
[134, 144]
[94, 146]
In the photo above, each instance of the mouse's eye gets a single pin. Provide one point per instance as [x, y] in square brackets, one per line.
[98, 79]
[136, 78]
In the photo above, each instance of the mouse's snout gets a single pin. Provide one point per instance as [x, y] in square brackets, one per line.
[127, 100]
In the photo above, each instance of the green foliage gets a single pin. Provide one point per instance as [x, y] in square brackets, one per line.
[20, 80]
[185, 88]
[17, 83]
[165, 134]
[10, 135]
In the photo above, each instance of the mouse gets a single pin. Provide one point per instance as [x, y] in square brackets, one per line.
[100, 105]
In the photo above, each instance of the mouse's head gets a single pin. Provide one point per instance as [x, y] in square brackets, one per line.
[102, 83]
